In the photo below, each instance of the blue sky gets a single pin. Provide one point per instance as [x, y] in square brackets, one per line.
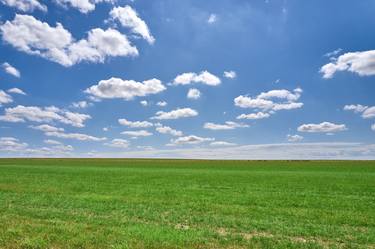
[187, 79]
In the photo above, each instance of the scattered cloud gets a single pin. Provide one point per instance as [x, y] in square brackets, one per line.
[16, 91]
[44, 114]
[355, 108]
[176, 114]
[325, 127]
[373, 127]
[144, 102]
[29, 35]
[129, 18]
[229, 125]
[83, 6]
[135, 124]
[11, 144]
[118, 143]
[361, 63]
[258, 115]
[333, 53]
[81, 104]
[212, 19]
[5, 98]
[46, 128]
[222, 144]
[271, 101]
[11, 70]
[230, 74]
[192, 139]
[203, 77]
[161, 103]
[25, 5]
[52, 142]
[369, 113]
[193, 93]
[169, 130]
[140, 133]
[125, 89]
[294, 138]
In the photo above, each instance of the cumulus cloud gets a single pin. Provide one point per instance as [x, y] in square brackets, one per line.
[118, 143]
[193, 93]
[294, 138]
[81, 104]
[125, 89]
[355, 108]
[135, 124]
[230, 74]
[75, 136]
[144, 102]
[5, 98]
[11, 144]
[222, 144]
[192, 139]
[369, 112]
[361, 63]
[169, 130]
[176, 114]
[129, 18]
[325, 127]
[229, 125]
[269, 102]
[258, 115]
[11, 70]
[29, 35]
[161, 103]
[203, 77]
[46, 128]
[52, 142]
[16, 91]
[83, 6]
[25, 5]
[212, 18]
[140, 133]
[22, 113]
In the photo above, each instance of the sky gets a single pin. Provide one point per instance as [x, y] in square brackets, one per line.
[265, 79]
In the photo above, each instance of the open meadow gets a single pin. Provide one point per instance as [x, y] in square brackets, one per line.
[140, 203]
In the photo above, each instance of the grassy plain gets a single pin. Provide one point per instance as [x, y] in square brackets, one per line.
[139, 203]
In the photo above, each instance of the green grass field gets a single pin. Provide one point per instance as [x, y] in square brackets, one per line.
[114, 203]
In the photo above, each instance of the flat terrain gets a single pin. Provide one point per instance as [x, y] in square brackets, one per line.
[114, 203]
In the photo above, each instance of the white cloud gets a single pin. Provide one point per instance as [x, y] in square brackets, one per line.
[294, 138]
[355, 108]
[29, 35]
[325, 127]
[258, 115]
[230, 74]
[135, 124]
[129, 18]
[192, 139]
[274, 100]
[229, 125]
[125, 89]
[81, 104]
[25, 5]
[5, 98]
[362, 63]
[52, 142]
[83, 6]
[16, 91]
[373, 127]
[176, 114]
[118, 143]
[369, 112]
[75, 136]
[203, 77]
[333, 53]
[212, 19]
[47, 114]
[162, 103]
[11, 70]
[144, 102]
[169, 130]
[193, 93]
[46, 128]
[11, 144]
[222, 144]
[140, 133]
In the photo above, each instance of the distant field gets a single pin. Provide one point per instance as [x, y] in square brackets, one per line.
[110, 203]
